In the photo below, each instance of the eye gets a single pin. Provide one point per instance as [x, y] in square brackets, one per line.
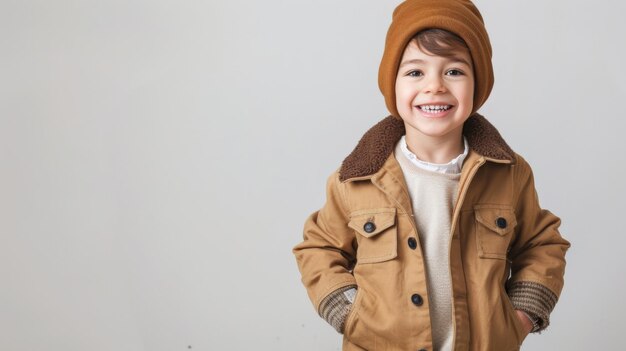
[414, 73]
[455, 72]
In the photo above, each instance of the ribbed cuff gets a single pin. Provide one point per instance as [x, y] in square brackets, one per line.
[534, 299]
[533, 320]
[335, 308]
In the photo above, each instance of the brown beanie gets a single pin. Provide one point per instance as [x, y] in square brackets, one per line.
[460, 17]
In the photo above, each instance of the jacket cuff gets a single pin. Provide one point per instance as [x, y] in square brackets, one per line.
[335, 307]
[534, 299]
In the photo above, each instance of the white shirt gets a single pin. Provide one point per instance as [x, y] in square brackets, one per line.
[452, 167]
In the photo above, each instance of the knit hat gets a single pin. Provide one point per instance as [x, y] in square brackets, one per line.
[460, 17]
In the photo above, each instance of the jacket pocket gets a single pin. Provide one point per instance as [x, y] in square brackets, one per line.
[516, 324]
[348, 324]
[494, 230]
[377, 234]
[356, 333]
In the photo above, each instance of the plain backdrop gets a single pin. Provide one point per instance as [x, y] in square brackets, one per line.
[158, 159]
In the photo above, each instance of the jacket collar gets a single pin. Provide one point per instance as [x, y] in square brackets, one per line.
[378, 143]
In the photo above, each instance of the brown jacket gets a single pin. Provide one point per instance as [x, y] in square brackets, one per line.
[505, 250]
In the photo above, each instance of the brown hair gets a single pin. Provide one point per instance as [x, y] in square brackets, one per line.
[439, 42]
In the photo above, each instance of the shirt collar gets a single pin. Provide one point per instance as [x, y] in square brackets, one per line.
[452, 167]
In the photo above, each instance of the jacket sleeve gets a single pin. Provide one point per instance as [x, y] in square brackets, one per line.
[537, 254]
[326, 255]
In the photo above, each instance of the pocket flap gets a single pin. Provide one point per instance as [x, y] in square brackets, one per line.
[371, 222]
[500, 220]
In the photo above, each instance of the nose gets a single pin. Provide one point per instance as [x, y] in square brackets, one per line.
[434, 84]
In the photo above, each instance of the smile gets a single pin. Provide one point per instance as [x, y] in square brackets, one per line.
[434, 108]
[434, 111]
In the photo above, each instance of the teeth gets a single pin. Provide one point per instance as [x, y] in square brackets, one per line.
[435, 108]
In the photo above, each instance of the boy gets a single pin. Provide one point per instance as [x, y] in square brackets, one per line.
[432, 237]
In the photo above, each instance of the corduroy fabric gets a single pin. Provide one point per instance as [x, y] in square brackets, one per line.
[460, 17]
[534, 299]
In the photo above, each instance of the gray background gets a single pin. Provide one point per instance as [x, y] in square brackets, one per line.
[158, 159]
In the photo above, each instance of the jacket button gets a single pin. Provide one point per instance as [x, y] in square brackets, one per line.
[369, 227]
[417, 300]
[412, 243]
[501, 222]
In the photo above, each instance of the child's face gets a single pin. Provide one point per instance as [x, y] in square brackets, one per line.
[424, 81]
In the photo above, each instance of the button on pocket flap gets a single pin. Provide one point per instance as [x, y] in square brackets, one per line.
[377, 238]
[371, 222]
[500, 220]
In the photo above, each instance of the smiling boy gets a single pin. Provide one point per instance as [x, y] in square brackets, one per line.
[434, 97]
[432, 236]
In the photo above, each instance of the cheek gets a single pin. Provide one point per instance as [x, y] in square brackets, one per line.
[466, 93]
[404, 94]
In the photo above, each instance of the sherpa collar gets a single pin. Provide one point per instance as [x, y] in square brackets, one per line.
[379, 142]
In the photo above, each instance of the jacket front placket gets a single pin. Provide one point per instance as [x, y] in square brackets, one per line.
[471, 165]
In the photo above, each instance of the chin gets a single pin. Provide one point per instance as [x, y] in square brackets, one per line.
[433, 129]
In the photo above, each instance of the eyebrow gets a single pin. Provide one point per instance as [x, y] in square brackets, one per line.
[453, 59]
